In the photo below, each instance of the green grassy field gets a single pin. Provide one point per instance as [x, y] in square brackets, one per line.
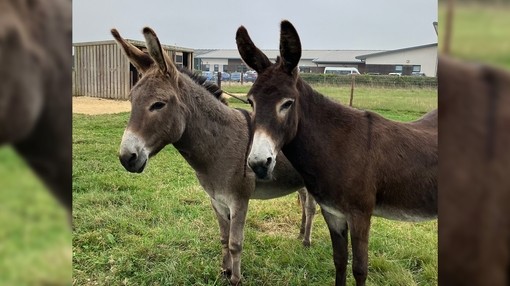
[35, 246]
[480, 32]
[157, 227]
[396, 104]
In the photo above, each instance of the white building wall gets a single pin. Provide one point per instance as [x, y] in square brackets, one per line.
[212, 62]
[306, 63]
[426, 57]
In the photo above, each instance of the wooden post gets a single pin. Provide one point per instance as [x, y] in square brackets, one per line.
[449, 26]
[352, 89]
[219, 79]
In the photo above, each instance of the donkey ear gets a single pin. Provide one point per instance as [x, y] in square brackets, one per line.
[165, 64]
[139, 59]
[251, 55]
[290, 47]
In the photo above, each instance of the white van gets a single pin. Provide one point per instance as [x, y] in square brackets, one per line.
[341, 70]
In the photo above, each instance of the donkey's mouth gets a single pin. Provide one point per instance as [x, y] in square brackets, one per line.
[142, 167]
[132, 162]
[262, 173]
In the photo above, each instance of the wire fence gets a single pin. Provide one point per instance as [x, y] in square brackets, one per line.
[375, 81]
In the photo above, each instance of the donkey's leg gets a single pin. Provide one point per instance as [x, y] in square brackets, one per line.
[223, 216]
[302, 202]
[238, 213]
[310, 209]
[359, 224]
[337, 226]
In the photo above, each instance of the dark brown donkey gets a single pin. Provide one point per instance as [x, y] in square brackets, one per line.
[474, 246]
[170, 107]
[35, 89]
[355, 163]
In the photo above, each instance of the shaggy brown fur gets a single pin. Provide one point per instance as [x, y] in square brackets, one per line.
[355, 163]
[169, 107]
[35, 88]
[474, 246]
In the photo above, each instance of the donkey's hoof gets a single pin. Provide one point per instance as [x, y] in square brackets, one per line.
[307, 243]
[226, 272]
[235, 281]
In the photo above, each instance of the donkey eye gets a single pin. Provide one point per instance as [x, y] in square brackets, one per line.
[287, 104]
[157, 105]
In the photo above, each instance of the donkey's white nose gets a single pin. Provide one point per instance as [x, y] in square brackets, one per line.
[262, 157]
[132, 154]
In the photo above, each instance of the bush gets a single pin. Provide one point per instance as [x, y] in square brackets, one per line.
[372, 80]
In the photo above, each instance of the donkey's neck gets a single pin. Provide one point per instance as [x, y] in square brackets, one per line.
[323, 113]
[211, 127]
[322, 124]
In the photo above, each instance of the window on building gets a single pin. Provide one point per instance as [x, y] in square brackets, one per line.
[398, 68]
[207, 67]
[225, 68]
[416, 68]
[178, 58]
[216, 68]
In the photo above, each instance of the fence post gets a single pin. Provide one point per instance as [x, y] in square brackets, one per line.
[352, 89]
[218, 80]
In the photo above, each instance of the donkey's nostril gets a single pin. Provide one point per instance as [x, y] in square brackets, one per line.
[269, 160]
[133, 157]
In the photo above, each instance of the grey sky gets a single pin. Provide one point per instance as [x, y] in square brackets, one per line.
[321, 24]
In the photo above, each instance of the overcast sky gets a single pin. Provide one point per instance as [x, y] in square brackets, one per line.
[204, 24]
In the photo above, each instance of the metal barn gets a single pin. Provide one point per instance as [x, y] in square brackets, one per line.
[102, 70]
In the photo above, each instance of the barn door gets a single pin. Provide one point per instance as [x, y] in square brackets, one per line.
[133, 76]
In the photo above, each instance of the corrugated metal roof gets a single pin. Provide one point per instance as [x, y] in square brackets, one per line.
[134, 42]
[341, 56]
[199, 52]
[317, 56]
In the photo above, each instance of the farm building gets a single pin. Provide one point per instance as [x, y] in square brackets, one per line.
[419, 59]
[311, 60]
[102, 70]
[422, 59]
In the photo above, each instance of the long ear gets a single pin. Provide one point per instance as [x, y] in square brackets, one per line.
[139, 59]
[251, 55]
[165, 64]
[290, 47]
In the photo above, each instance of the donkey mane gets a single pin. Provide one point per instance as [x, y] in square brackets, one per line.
[212, 88]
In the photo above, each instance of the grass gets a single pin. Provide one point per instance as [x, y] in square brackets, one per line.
[396, 104]
[157, 227]
[479, 32]
[35, 246]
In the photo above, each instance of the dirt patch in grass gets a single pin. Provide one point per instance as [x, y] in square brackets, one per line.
[94, 106]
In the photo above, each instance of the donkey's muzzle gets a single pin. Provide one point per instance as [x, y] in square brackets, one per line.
[132, 153]
[261, 168]
[132, 162]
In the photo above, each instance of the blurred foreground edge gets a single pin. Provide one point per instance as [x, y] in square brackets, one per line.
[35, 89]
[474, 179]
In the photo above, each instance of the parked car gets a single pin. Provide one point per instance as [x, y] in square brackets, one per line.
[395, 73]
[208, 75]
[341, 70]
[235, 76]
[418, 74]
[250, 76]
[225, 76]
